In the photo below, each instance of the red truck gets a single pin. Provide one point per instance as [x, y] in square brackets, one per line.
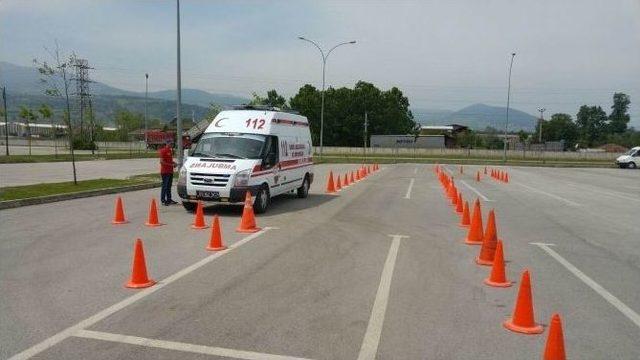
[156, 139]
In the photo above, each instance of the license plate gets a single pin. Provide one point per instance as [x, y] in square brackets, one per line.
[208, 194]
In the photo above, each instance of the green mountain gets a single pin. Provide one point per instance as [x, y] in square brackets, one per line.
[24, 87]
[478, 117]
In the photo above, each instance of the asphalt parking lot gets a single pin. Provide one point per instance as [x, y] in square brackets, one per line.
[379, 270]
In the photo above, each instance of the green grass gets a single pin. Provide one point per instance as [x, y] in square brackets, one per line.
[38, 190]
[79, 157]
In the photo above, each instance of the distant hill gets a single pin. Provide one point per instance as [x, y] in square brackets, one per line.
[25, 88]
[478, 117]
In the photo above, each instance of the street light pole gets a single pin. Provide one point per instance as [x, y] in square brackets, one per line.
[506, 123]
[324, 64]
[6, 119]
[179, 94]
[146, 96]
[541, 110]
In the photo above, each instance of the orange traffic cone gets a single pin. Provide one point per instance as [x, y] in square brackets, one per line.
[523, 320]
[489, 242]
[459, 204]
[248, 221]
[198, 222]
[215, 241]
[358, 175]
[152, 220]
[554, 350]
[466, 220]
[118, 216]
[338, 185]
[139, 277]
[506, 177]
[346, 180]
[368, 169]
[454, 196]
[331, 188]
[502, 176]
[498, 277]
[474, 237]
[478, 176]
[352, 179]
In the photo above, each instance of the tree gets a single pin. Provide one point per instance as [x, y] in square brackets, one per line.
[28, 116]
[523, 136]
[592, 125]
[387, 112]
[127, 121]
[619, 117]
[47, 113]
[57, 81]
[213, 111]
[273, 99]
[560, 127]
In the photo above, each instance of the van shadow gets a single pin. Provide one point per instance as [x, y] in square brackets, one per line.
[280, 204]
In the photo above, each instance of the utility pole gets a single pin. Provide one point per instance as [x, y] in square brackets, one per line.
[366, 124]
[179, 92]
[146, 96]
[541, 110]
[506, 123]
[324, 64]
[6, 120]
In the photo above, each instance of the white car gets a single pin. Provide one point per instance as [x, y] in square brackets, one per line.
[267, 152]
[630, 159]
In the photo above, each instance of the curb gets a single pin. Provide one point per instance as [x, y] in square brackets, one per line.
[10, 204]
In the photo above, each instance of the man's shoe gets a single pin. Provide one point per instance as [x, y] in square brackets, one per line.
[171, 202]
[164, 203]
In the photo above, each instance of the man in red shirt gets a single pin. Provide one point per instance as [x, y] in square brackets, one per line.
[166, 171]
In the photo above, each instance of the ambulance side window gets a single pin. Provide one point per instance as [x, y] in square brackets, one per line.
[271, 152]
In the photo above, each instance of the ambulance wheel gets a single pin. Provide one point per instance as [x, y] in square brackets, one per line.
[262, 200]
[631, 165]
[303, 191]
[189, 206]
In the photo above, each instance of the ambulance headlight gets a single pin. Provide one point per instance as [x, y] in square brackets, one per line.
[242, 178]
[182, 176]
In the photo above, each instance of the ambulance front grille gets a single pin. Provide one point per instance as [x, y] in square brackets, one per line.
[214, 180]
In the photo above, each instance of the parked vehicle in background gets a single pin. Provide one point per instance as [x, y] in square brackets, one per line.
[156, 139]
[266, 152]
[630, 159]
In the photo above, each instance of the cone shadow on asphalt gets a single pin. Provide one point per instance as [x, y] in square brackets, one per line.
[279, 205]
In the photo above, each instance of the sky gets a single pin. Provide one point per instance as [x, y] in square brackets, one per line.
[441, 54]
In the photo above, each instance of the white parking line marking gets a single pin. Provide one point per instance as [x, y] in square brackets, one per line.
[572, 203]
[180, 346]
[371, 339]
[408, 194]
[622, 307]
[70, 331]
[475, 190]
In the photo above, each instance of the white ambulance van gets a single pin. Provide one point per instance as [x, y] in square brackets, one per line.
[630, 159]
[265, 151]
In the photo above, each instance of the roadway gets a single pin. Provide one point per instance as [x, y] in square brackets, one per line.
[378, 271]
[50, 172]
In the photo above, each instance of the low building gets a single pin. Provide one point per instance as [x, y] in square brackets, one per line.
[408, 141]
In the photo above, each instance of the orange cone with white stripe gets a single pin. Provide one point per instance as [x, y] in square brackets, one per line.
[352, 179]
[459, 204]
[338, 184]
[346, 180]
[506, 177]
[248, 221]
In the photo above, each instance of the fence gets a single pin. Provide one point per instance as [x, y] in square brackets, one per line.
[469, 153]
[20, 146]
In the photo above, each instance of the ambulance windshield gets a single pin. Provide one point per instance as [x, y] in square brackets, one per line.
[230, 145]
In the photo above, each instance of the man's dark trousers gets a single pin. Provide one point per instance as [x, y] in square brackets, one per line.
[165, 193]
